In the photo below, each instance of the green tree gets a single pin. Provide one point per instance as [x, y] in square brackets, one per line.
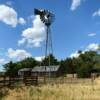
[10, 69]
[86, 63]
[49, 60]
[68, 66]
[28, 63]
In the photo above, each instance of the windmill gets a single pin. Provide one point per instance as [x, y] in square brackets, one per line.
[47, 18]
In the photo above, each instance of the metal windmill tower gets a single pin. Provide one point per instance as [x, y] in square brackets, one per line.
[47, 18]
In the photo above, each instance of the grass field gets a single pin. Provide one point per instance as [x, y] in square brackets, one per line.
[64, 91]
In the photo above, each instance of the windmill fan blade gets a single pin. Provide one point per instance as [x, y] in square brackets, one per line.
[46, 16]
[36, 12]
[40, 12]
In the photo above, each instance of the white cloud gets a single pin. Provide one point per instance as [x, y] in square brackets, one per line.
[75, 4]
[96, 13]
[22, 41]
[93, 47]
[22, 21]
[18, 54]
[92, 34]
[34, 35]
[9, 16]
[39, 58]
[2, 61]
[75, 54]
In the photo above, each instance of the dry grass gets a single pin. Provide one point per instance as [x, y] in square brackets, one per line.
[56, 92]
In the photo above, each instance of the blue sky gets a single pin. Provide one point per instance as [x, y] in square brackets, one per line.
[76, 27]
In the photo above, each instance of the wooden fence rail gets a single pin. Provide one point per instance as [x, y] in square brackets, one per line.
[34, 80]
[10, 81]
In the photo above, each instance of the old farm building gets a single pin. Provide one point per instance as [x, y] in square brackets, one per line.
[41, 71]
[25, 72]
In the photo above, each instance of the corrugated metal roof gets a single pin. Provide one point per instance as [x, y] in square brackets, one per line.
[25, 69]
[45, 68]
[40, 69]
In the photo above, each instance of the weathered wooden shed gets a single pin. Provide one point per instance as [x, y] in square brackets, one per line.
[49, 71]
[25, 72]
[41, 71]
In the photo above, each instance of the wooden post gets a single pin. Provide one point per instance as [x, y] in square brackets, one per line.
[4, 80]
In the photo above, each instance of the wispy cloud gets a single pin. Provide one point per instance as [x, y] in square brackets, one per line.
[75, 4]
[9, 3]
[92, 34]
[96, 13]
